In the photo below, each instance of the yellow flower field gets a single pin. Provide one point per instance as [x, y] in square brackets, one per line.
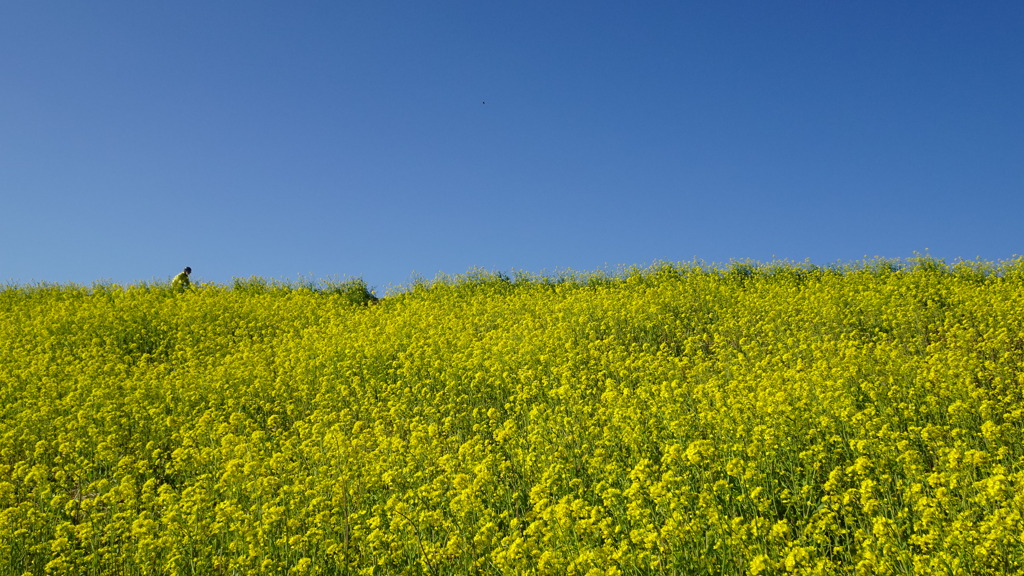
[681, 419]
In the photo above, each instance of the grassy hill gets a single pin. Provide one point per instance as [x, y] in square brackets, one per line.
[681, 419]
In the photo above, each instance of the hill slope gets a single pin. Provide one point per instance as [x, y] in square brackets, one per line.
[679, 419]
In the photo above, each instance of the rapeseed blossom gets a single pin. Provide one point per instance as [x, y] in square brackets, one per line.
[680, 419]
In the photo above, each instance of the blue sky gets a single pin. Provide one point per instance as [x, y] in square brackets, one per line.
[390, 139]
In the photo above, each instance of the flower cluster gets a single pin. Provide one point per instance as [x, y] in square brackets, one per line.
[679, 419]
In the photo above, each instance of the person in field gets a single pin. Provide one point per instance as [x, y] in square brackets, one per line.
[181, 281]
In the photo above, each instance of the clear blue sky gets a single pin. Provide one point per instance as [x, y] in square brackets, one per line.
[381, 139]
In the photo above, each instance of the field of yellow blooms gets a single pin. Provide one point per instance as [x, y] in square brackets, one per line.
[680, 419]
